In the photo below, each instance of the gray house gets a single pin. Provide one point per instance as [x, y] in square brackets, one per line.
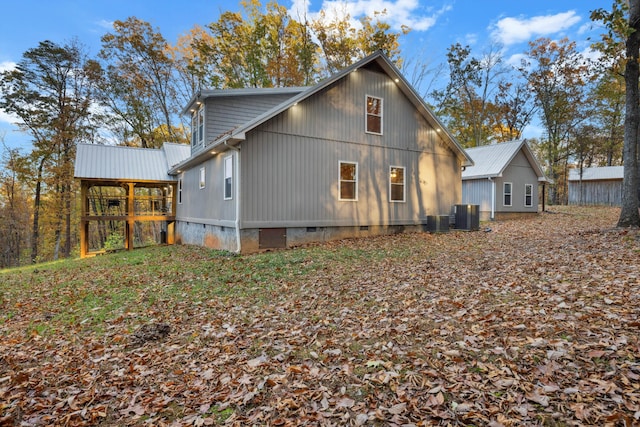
[359, 154]
[596, 186]
[504, 181]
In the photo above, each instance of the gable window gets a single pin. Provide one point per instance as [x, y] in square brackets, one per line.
[202, 177]
[228, 177]
[348, 181]
[528, 195]
[180, 190]
[396, 184]
[374, 115]
[197, 126]
[507, 193]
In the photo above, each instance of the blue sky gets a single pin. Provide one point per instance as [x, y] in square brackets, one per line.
[436, 24]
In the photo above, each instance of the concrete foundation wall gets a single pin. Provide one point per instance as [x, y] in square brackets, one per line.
[224, 238]
[209, 236]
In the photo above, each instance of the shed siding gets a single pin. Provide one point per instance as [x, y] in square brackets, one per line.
[290, 164]
[604, 192]
[519, 173]
[477, 192]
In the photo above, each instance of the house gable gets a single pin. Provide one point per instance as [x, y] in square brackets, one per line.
[376, 62]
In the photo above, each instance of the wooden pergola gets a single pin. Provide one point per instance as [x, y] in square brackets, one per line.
[128, 208]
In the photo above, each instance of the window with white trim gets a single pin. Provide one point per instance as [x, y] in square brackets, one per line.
[228, 177]
[373, 120]
[180, 190]
[348, 181]
[507, 193]
[197, 126]
[528, 195]
[202, 177]
[396, 184]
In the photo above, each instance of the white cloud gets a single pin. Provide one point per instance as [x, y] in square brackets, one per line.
[103, 23]
[398, 12]
[510, 30]
[4, 117]
[7, 66]
[515, 60]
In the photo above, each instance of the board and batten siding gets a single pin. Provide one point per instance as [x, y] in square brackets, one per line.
[478, 192]
[597, 192]
[289, 175]
[206, 205]
[519, 173]
[229, 112]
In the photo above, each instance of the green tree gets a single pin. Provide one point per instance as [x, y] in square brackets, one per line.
[50, 92]
[512, 110]
[620, 46]
[608, 118]
[138, 85]
[342, 44]
[467, 100]
[558, 75]
[14, 209]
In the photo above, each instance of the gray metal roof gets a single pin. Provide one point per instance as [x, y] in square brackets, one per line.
[491, 160]
[377, 58]
[597, 173]
[216, 93]
[106, 162]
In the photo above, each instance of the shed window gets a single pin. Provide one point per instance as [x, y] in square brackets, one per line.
[396, 184]
[202, 177]
[180, 190]
[528, 195]
[348, 181]
[197, 126]
[228, 177]
[374, 115]
[507, 193]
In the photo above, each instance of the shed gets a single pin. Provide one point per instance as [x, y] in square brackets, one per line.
[504, 181]
[596, 186]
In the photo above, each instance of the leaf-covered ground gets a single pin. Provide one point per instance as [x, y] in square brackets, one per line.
[535, 322]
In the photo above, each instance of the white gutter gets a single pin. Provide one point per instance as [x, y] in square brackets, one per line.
[237, 197]
[493, 198]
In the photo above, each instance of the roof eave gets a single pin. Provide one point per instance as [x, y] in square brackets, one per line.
[211, 150]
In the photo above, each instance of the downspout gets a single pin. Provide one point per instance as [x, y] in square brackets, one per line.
[493, 198]
[237, 185]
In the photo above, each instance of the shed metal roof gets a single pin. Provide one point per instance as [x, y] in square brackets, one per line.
[597, 173]
[491, 160]
[106, 162]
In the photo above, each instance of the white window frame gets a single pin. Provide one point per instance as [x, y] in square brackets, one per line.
[228, 175]
[197, 126]
[404, 184]
[203, 177]
[510, 193]
[529, 188]
[180, 190]
[367, 114]
[340, 181]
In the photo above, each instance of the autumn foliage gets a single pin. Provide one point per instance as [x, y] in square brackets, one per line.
[533, 322]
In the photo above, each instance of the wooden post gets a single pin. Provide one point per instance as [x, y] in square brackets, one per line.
[129, 238]
[84, 224]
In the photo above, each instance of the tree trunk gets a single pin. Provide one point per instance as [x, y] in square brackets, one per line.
[35, 233]
[629, 216]
[67, 243]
